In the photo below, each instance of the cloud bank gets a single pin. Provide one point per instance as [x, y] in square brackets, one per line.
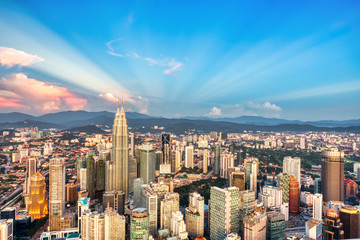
[10, 57]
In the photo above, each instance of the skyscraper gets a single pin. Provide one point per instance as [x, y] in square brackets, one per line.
[114, 224]
[189, 157]
[224, 212]
[226, 162]
[150, 202]
[332, 227]
[147, 164]
[255, 225]
[117, 178]
[7, 229]
[275, 226]
[90, 176]
[292, 166]
[237, 179]
[57, 192]
[252, 169]
[350, 217]
[178, 226]
[217, 159]
[31, 164]
[166, 147]
[167, 206]
[294, 194]
[283, 183]
[37, 197]
[120, 154]
[332, 175]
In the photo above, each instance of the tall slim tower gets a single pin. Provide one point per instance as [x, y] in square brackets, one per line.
[189, 156]
[118, 172]
[57, 192]
[147, 164]
[292, 166]
[332, 175]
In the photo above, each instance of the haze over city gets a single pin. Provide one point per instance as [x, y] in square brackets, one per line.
[292, 60]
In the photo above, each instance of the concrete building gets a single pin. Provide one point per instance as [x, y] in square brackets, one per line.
[189, 156]
[139, 224]
[247, 202]
[237, 179]
[292, 166]
[226, 162]
[71, 194]
[194, 215]
[115, 200]
[114, 224]
[317, 206]
[150, 200]
[6, 229]
[252, 170]
[283, 183]
[217, 153]
[332, 227]
[275, 228]
[178, 226]
[350, 217]
[332, 175]
[169, 204]
[224, 212]
[271, 196]
[255, 225]
[313, 229]
[205, 161]
[147, 164]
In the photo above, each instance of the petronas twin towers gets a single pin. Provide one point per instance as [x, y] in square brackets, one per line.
[117, 168]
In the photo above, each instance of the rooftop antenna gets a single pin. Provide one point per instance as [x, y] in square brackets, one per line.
[122, 101]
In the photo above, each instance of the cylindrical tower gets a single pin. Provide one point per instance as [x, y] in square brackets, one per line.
[294, 194]
[332, 175]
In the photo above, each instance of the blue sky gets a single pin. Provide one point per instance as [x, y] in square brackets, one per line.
[287, 59]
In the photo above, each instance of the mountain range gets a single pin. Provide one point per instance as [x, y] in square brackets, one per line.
[144, 123]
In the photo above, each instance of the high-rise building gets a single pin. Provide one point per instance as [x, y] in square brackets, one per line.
[134, 169]
[114, 224]
[189, 156]
[252, 169]
[169, 204]
[302, 143]
[31, 164]
[178, 226]
[217, 153]
[194, 215]
[332, 227]
[137, 197]
[292, 166]
[313, 229]
[226, 162]
[118, 171]
[255, 225]
[83, 205]
[71, 194]
[150, 201]
[7, 229]
[83, 178]
[284, 209]
[139, 224]
[275, 226]
[147, 164]
[92, 225]
[224, 212]
[332, 175]
[177, 160]
[317, 206]
[237, 179]
[115, 200]
[351, 188]
[100, 175]
[271, 196]
[205, 160]
[283, 183]
[90, 176]
[317, 187]
[37, 197]
[57, 192]
[350, 217]
[166, 147]
[158, 159]
[294, 194]
[247, 202]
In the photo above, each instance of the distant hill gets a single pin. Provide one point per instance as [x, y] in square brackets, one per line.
[143, 123]
[89, 129]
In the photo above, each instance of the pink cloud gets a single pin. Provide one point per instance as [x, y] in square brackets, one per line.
[10, 103]
[141, 104]
[10, 57]
[40, 96]
[110, 97]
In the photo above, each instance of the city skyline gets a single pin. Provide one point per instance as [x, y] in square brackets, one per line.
[283, 60]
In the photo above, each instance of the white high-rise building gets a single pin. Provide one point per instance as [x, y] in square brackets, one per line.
[167, 206]
[272, 196]
[114, 224]
[189, 156]
[6, 229]
[194, 215]
[150, 200]
[56, 192]
[292, 166]
[317, 206]
[177, 160]
[178, 226]
[302, 143]
[226, 162]
[252, 169]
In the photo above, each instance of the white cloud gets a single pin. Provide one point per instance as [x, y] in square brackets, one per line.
[271, 106]
[214, 112]
[266, 109]
[10, 57]
[173, 69]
